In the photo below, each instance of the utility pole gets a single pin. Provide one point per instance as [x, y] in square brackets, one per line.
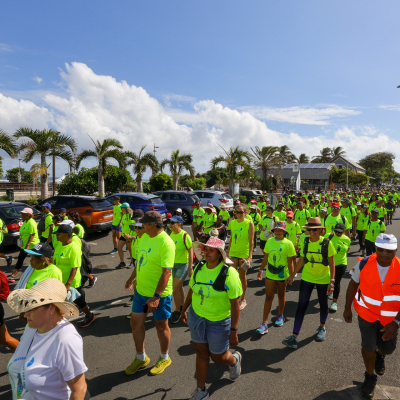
[19, 170]
[155, 147]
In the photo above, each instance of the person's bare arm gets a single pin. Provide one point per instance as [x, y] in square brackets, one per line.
[31, 237]
[300, 263]
[365, 234]
[71, 278]
[50, 238]
[251, 242]
[264, 262]
[162, 284]
[233, 337]
[350, 294]
[291, 264]
[331, 286]
[78, 387]
[186, 305]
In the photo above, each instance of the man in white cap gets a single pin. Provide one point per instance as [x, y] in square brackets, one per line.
[374, 291]
[178, 212]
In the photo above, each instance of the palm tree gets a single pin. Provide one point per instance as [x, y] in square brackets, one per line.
[302, 159]
[109, 148]
[324, 157]
[45, 143]
[267, 158]
[7, 144]
[285, 153]
[338, 151]
[140, 163]
[177, 163]
[235, 160]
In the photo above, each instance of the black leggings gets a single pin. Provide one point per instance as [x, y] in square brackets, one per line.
[81, 301]
[255, 239]
[306, 289]
[339, 272]
[360, 239]
[21, 258]
[370, 247]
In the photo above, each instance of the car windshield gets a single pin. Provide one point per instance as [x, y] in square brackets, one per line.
[226, 196]
[155, 200]
[15, 211]
[99, 204]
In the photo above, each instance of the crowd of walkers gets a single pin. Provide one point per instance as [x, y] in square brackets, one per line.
[302, 232]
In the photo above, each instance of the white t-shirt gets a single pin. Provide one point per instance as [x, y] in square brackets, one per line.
[355, 272]
[43, 363]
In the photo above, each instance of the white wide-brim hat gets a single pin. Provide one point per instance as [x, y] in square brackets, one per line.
[214, 242]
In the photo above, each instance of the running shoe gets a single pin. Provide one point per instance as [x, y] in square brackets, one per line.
[290, 342]
[175, 317]
[321, 334]
[380, 364]
[129, 302]
[199, 394]
[9, 261]
[11, 279]
[280, 320]
[263, 329]
[242, 304]
[120, 265]
[129, 316]
[113, 251]
[234, 371]
[160, 366]
[92, 282]
[330, 297]
[333, 306]
[136, 365]
[368, 387]
[88, 321]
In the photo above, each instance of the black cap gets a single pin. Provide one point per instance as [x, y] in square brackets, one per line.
[64, 229]
[152, 217]
[41, 249]
[117, 198]
[339, 228]
[138, 213]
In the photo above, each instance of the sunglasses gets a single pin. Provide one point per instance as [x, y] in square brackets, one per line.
[313, 229]
[380, 250]
[138, 227]
[335, 208]
[171, 222]
[239, 212]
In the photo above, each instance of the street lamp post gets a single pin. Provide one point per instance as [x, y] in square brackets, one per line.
[19, 170]
[155, 147]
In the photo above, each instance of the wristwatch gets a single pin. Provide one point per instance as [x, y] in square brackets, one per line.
[234, 329]
[397, 322]
[158, 296]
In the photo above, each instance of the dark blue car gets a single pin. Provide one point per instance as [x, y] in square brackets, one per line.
[143, 201]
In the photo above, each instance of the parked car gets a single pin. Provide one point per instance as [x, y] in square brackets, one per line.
[143, 201]
[96, 212]
[251, 193]
[175, 199]
[11, 216]
[216, 198]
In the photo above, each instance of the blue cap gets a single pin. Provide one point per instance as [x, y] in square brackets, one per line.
[63, 210]
[46, 205]
[177, 218]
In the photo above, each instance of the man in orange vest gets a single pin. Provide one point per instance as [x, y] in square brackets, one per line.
[374, 291]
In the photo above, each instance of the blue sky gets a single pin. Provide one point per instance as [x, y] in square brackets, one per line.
[306, 74]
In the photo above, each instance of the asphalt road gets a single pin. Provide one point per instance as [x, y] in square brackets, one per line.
[322, 371]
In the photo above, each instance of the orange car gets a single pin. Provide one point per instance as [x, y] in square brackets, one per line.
[96, 212]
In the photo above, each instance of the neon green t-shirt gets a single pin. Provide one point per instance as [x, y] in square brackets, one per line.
[301, 217]
[2, 226]
[280, 214]
[207, 302]
[341, 245]
[373, 228]
[262, 206]
[255, 217]
[48, 221]
[330, 222]
[135, 245]
[371, 206]
[382, 212]
[293, 230]
[27, 229]
[66, 258]
[278, 253]
[76, 240]
[154, 254]
[224, 214]
[54, 240]
[208, 220]
[198, 215]
[126, 220]
[361, 220]
[301, 240]
[39, 275]
[81, 231]
[240, 239]
[314, 212]
[117, 215]
[314, 271]
[181, 254]
[349, 213]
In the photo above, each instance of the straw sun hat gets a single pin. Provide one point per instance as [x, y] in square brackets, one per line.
[214, 242]
[49, 291]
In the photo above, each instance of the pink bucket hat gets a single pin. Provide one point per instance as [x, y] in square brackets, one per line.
[280, 225]
[26, 210]
[214, 242]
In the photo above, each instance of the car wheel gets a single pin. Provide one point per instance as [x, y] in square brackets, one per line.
[186, 217]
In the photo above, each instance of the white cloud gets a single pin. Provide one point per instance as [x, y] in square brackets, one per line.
[5, 48]
[102, 107]
[37, 79]
[178, 98]
[394, 107]
[301, 115]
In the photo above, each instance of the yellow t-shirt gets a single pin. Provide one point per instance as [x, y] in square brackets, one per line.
[181, 254]
[66, 258]
[239, 238]
[278, 253]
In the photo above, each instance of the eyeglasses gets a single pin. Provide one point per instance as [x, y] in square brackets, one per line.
[335, 208]
[239, 212]
[380, 250]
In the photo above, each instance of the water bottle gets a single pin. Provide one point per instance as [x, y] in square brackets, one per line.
[245, 265]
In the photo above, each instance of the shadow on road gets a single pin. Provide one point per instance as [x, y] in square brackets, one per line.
[350, 393]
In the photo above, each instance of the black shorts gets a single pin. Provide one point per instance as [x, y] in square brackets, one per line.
[122, 238]
[275, 280]
[262, 244]
[1, 315]
[371, 337]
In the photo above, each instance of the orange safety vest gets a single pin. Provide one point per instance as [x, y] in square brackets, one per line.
[375, 301]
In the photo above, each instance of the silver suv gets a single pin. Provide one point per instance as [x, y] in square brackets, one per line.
[216, 198]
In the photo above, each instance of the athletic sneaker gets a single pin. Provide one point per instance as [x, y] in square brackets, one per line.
[88, 321]
[129, 302]
[175, 317]
[333, 306]
[92, 282]
[368, 387]
[199, 394]
[129, 316]
[160, 366]
[11, 279]
[9, 261]
[263, 329]
[380, 364]
[120, 265]
[280, 320]
[136, 365]
[113, 251]
[290, 342]
[242, 304]
[235, 370]
[330, 297]
[321, 334]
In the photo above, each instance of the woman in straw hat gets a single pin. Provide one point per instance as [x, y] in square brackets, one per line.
[48, 363]
[317, 257]
[213, 315]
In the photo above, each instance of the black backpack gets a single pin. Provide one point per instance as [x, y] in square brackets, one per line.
[324, 250]
[86, 266]
[380, 223]
[219, 283]
[41, 226]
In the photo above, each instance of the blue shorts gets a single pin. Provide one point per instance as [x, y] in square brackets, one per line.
[163, 311]
[214, 333]
[115, 228]
[180, 271]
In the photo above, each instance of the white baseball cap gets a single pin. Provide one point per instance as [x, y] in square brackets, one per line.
[386, 241]
[358, 203]
[68, 222]
[179, 210]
